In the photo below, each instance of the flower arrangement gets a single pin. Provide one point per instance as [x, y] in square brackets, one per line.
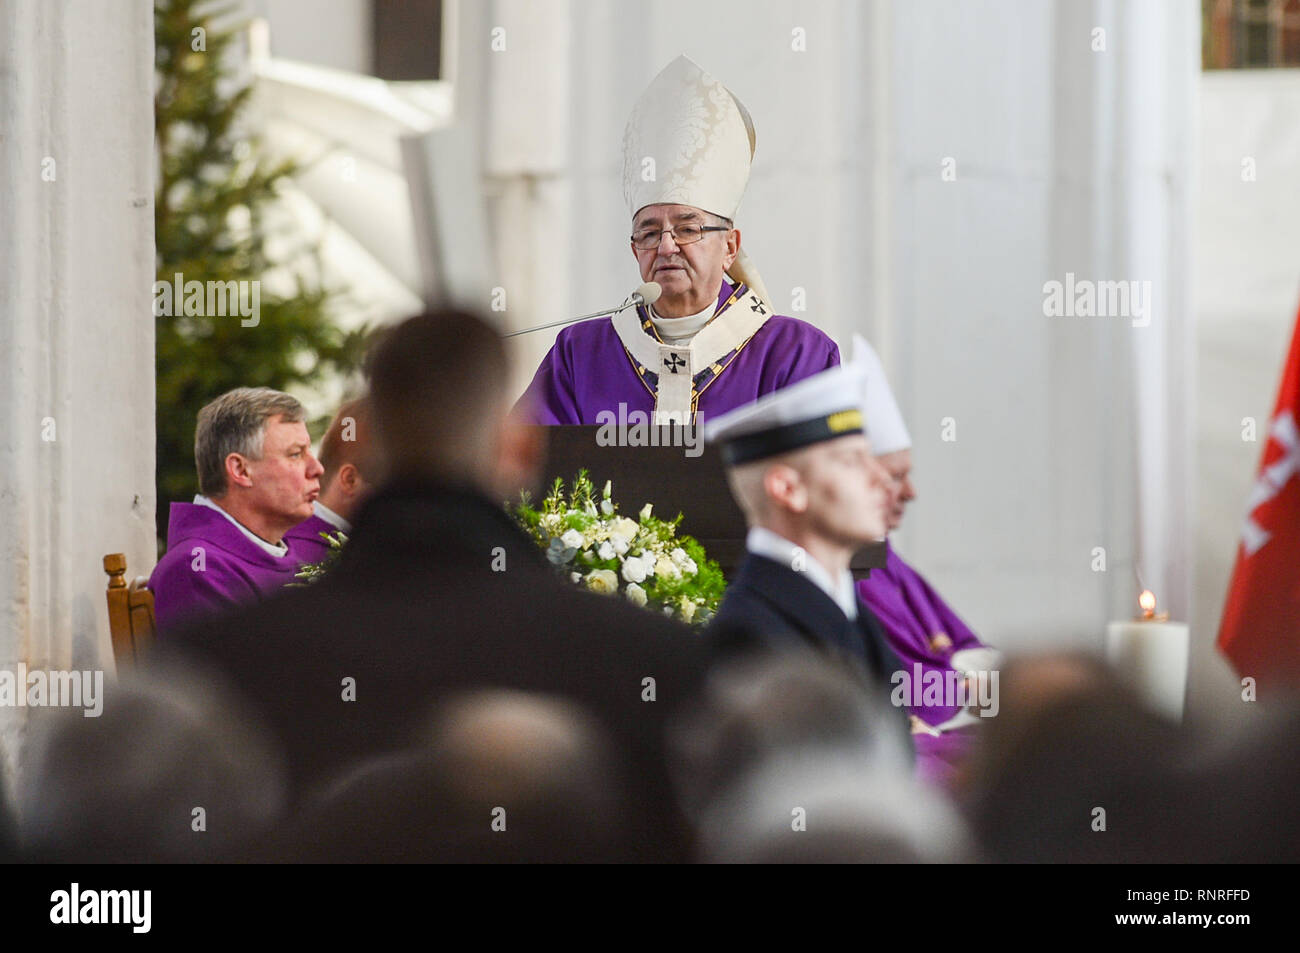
[312, 572]
[644, 559]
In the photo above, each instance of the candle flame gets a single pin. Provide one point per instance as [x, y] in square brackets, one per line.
[1147, 601]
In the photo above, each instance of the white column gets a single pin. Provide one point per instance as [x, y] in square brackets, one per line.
[76, 325]
[1069, 126]
[512, 89]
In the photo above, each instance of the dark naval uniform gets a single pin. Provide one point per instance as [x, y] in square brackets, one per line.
[769, 606]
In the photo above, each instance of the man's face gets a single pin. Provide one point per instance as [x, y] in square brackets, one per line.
[286, 479]
[690, 275]
[901, 492]
[847, 491]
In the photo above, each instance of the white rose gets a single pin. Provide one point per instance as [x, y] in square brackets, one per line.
[635, 594]
[603, 581]
[645, 512]
[624, 527]
[575, 577]
[620, 544]
[634, 569]
[688, 609]
[678, 556]
[665, 569]
[690, 568]
[605, 551]
[607, 507]
[572, 538]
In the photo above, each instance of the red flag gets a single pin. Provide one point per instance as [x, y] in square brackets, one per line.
[1260, 632]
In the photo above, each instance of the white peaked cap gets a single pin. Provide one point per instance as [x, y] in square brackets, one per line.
[822, 407]
[701, 141]
[885, 424]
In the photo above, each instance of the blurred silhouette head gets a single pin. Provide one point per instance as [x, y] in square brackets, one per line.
[496, 776]
[789, 760]
[440, 409]
[171, 771]
[1075, 770]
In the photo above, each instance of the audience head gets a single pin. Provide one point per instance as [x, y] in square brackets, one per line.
[171, 771]
[789, 759]
[497, 776]
[440, 408]
[345, 455]
[1074, 769]
[253, 456]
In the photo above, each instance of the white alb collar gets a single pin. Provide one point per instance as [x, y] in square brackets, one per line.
[679, 331]
[329, 516]
[763, 542]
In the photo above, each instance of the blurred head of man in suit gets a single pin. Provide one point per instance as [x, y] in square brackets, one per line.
[497, 775]
[345, 454]
[176, 769]
[440, 410]
[773, 740]
[830, 498]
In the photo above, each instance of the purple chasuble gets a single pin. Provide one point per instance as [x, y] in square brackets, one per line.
[230, 570]
[306, 545]
[588, 371]
[912, 615]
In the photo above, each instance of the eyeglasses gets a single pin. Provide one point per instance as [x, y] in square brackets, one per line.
[648, 238]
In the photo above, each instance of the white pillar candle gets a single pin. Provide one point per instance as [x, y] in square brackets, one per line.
[1151, 654]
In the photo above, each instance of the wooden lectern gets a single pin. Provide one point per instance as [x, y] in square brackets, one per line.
[674, 482]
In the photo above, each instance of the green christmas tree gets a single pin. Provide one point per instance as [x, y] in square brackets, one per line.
[210, 225]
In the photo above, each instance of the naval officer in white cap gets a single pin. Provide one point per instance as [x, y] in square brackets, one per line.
[800, 465]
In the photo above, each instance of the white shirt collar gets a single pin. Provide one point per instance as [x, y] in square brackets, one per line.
[329, 516]
[763, 542]
[679, 331]
[279, 550]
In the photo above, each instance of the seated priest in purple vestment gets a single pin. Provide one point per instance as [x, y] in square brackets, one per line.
[257, 480]
[922, 629]
[344, 486]
[710, 342]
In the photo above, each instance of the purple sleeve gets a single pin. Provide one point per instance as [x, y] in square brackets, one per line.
[960, 633]
[832, 356]
[816, 352]
[550, 399]
[182, 593]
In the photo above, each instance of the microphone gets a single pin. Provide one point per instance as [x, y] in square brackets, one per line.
[646, 294]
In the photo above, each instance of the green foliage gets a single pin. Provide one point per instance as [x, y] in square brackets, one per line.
[213, 192]
[645, 559]
[313, 572]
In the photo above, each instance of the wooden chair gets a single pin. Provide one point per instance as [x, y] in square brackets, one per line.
[130, 611]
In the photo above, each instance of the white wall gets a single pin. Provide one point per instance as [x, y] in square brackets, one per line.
[1248, 280]
[76, 325]
[334, 33]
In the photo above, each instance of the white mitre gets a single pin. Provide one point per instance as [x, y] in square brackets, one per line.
[885, 424]
[690, 141]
